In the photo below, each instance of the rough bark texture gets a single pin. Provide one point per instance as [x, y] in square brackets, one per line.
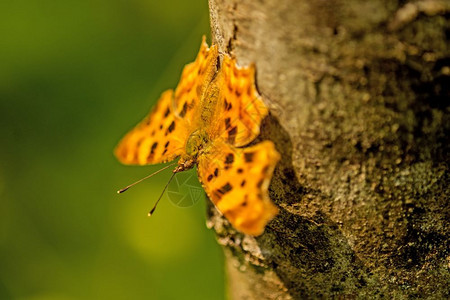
[359, 98]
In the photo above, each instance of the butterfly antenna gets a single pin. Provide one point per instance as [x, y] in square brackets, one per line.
[146, 177]
[157, 201]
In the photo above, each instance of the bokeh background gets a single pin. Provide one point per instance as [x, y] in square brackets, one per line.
[74, 77]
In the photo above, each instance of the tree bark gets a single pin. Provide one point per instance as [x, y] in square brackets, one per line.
[359, 99]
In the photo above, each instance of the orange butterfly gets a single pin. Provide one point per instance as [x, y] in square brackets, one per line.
[214, 111]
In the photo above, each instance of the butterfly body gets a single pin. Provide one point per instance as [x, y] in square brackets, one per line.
[213, 113]
[197, 141]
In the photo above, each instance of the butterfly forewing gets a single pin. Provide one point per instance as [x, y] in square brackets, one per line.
[240, 109]
[159, 138]
[194, 80]
[162, 135]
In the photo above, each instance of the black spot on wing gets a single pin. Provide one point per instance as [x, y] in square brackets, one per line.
[227, 105]
[216, 172]
[152, 150]
[229, 159]
[240, 170]
[225, 189]
[232, 135]
[249, 156]
[216, 196]
[170, 128]
[167, 112]
[183, 110]
[259, 184]
[243, 182]
[210, 177]
[227, 123]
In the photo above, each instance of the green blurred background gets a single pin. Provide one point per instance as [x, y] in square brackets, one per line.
[74, 77]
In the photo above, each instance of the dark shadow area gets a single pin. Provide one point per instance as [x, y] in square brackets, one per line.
[304, 253]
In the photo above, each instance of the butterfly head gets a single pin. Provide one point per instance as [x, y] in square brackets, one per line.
[194, 146]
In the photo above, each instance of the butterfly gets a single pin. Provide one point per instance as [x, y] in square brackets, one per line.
[214, 112]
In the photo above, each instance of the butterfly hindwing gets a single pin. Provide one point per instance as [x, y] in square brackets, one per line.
[237, 180]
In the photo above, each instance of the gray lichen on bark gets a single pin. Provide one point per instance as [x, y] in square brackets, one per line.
[359, 98]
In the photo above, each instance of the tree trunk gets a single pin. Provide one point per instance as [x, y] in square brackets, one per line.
[359, 99]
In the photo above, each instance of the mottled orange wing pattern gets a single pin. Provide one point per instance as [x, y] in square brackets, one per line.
[237, 182]
[162, 135]
[214, 110]
[240, 109]
[159, 138]
[194, 81]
